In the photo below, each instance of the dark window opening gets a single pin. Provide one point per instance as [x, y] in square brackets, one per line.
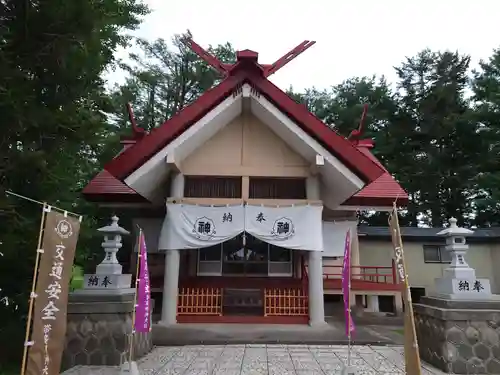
[386, 304]
[436, 254]
[211, 254]
[212, 187]
[277, 188]
[279, 254]
[255, 258]
[416, 294]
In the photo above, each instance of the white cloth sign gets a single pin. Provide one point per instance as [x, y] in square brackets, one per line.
[334, 237]
[294, 227]
[193, 227]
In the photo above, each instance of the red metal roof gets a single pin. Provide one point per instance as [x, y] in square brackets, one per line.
[246, 70]
[108, 184]
[105, 187]
[381, 192]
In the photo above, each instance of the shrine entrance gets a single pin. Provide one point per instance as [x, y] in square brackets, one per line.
[243, 262]
[244, 256]
[245, 280]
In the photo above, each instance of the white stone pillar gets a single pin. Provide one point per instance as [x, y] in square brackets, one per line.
[170, 287]
[172, 264]
[316, 301]
[315, 267]
[372, 303]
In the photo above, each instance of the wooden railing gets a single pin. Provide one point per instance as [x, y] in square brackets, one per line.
[285, 302]
[374, 274]
[199, 301]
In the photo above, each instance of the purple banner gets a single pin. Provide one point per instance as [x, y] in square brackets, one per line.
[142, 313]
[346, 284]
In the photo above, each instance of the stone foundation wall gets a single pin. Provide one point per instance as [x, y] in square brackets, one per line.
[460, 337]
[98, 330]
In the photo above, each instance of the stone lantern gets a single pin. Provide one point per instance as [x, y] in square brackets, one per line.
[108, 278]
[459, 280]
[112, 243]
[456, 245]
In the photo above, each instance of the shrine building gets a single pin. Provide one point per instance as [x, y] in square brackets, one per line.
[245, 198]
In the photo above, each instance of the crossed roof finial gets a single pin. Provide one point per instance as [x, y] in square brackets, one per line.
[268, 69]
[225, 69]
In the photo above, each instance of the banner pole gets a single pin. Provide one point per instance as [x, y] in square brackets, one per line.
[349, 342]
[132, 336]
[349, 305]
[66, 212]
[33, 287]
[411, 350]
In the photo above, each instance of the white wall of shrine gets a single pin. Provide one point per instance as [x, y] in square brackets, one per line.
[246, 147]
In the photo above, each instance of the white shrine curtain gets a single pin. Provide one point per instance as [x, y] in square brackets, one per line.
[193, 227]
[293, 227]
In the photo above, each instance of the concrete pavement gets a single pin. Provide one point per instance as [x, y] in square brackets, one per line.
[225, 334]
[265, 360]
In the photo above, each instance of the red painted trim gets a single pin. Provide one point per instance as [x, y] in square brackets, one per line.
[360, 285]
[239, 282]
[207, 57]
[286, 58]
[339, 146]
[237, 319]
[376, 201]
[381, 192]
[132, 158]
[372, 274]
[115, 198]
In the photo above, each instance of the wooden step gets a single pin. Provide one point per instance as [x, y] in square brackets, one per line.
[242, 298]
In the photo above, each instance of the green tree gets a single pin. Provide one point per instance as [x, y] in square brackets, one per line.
[341, 108]
[486, 88]
[52, 98]
[163, 80]
[442, 147]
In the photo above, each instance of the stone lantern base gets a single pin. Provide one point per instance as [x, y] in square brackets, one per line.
[98, 329]
[459, 337]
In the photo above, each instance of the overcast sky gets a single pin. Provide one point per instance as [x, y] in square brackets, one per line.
[354, 37]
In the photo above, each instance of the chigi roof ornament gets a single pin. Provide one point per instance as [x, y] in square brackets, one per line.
[357, 133]
[267, 69]
[137, 132]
